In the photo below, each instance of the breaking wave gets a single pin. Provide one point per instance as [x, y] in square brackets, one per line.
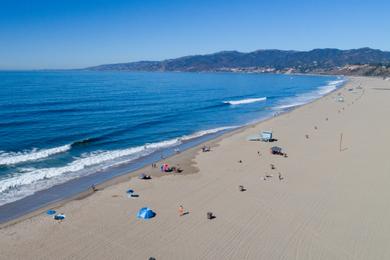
[299, 100]
[30, 180]
[245, 101]
[10, 158]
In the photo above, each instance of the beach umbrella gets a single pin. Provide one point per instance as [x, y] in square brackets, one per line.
[129, 191]
[146, 213]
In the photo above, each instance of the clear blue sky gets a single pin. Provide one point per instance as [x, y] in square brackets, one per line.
[37, 34]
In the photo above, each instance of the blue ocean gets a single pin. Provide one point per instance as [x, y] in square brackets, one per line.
[61, 125]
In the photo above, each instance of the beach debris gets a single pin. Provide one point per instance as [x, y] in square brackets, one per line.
[146, 213]
[210, 215]
[240, 161]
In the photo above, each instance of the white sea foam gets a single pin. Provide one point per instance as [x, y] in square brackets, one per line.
[245, 101]
[290, 105]
[206, 132]
[9, 158]
[305, 98]
[30, 180]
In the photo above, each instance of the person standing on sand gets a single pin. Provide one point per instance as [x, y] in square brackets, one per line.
[181, 210]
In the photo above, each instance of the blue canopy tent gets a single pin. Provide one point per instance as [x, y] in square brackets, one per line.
[146, 213]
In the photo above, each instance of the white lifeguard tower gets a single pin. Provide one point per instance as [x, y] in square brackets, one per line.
[266, 136]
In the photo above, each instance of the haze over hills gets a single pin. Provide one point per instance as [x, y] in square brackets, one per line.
[363, 61]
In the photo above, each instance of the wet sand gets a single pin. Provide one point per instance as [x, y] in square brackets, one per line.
[330, 203]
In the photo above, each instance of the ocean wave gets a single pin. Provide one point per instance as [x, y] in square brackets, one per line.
[296, 104]
[332, 85]
[206, 132]
[10, 158]
[245, 101]
[299, 100]
[31, 180]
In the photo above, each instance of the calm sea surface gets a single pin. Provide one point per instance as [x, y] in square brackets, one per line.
[58, 126]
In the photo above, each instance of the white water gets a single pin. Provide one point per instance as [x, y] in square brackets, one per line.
[245, 101]
[9, 158]
[31, 180]
[305, 98]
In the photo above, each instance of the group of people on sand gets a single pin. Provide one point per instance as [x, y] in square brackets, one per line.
[268, 176]
[166, 168]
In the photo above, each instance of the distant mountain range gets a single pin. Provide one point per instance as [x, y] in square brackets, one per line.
[363, 61]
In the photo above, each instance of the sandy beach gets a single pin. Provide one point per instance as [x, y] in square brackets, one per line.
[330, 200]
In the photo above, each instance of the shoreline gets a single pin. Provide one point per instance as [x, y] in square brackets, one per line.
[189, 153]
[325, 200]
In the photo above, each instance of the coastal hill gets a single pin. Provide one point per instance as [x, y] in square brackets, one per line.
[363, 61]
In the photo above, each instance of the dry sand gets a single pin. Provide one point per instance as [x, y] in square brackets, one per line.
[331, 204]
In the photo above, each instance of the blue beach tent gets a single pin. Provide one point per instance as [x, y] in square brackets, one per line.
[51, 212]
[146, 213]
